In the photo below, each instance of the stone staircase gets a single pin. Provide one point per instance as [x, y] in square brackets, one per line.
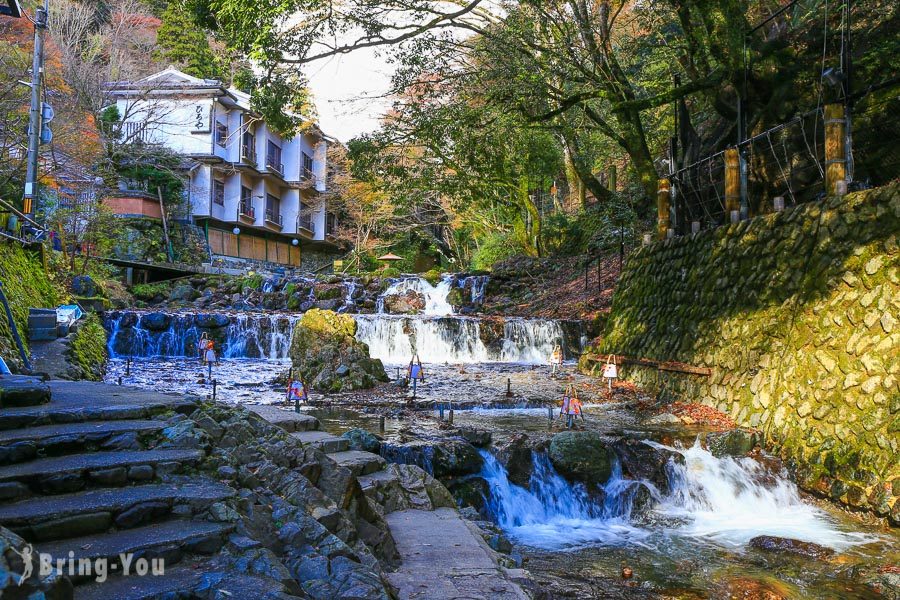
[81, 478]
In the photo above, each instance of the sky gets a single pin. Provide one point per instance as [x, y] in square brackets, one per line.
[346, 89]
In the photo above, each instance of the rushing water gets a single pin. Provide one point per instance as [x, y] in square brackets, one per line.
[393, 339]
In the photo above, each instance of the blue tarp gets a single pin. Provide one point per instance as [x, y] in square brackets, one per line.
[68, 313]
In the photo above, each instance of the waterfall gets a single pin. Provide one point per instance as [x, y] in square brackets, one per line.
[554, 514]
[241, 335]
[476, 284]
[435, 295]
[394, 339]
[731, 500]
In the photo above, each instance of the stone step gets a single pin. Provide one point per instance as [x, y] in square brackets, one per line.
[68, 515]
[73, 472]
[86, 401]
[180, 581]
[323, 441]
[22, 390]
[169, 540]
[359, 462]
[375, 479]
[17, 445]
[288, 420]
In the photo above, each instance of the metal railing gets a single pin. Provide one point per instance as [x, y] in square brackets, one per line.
[246, 210]
[274, 217]
[273, 164]
[248, 155]
[305, 222]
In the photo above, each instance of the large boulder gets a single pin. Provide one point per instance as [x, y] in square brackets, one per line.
[360, 439]
[735, 442]
[646, 463]
[516, 455]
[410, 302]
[582, 456]
[328, 356]
[83, 285]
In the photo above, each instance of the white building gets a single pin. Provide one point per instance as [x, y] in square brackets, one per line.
[257, 194]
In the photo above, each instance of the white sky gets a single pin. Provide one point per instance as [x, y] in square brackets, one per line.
[346, 89]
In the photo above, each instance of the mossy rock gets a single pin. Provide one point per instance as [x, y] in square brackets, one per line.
[433, 276]
[582, 456]
[87, 351]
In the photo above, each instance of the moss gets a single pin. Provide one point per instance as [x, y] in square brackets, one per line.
[88, 349]
[433, 276]
[150, 291]
[26, 285]
[390, 272]
[251, 282]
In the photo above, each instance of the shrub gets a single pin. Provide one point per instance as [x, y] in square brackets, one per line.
[492, 250]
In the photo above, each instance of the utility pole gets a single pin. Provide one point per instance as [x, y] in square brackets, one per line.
[34, 120]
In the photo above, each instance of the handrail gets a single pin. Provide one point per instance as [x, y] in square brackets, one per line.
[14, 329]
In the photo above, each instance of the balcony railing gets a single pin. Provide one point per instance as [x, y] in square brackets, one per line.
[307, 224]
[307, 180]
[245, 210]
[248, 155]
[274, 217]
[273, 165]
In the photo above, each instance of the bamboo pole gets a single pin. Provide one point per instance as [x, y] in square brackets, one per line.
[662, 209]
[732, 185]
[835, 150]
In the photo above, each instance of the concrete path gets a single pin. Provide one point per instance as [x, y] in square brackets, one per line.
[444, 559]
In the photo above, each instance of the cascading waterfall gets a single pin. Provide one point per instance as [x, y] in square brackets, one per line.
[724, 500]
[477, 287]
[554, 514]
[394, 339]
[435, 295]
[242, 335]
[731, 500]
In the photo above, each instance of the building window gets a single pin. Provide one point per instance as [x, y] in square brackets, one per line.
[330, 224]
[305, 219]
[273, 209]
[246, 207]
[221, 134]
[273, 157]
[248, 147]
[219, 192]
[307, 171]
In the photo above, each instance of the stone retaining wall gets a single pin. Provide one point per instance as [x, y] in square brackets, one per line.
[798, 316]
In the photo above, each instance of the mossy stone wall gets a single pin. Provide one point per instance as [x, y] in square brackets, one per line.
[87, 350]
[26, 285]
[798, 316]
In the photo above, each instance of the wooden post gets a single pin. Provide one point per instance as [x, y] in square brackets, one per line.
[162, 210]
[732, 184]
[835, 147]
[662, 209]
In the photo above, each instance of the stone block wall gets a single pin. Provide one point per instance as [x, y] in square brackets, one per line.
[798, 316]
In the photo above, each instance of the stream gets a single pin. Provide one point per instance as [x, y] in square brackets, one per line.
[689, 540]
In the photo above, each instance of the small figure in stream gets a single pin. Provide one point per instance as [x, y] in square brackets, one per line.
[556, 359]
[296, 392]
[564, 407]
[574, 410]
[415, 372]
[210, 357]
[201, 346]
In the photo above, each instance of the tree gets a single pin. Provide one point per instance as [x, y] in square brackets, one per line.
[183, 43]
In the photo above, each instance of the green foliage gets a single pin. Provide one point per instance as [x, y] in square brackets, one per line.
[88, 349]
[390, 272]
[251, 282]
[597, 229]
[493, 249]
[149, 291]
[182, 42]
[26, 285]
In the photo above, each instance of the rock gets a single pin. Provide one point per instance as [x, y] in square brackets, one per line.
[323, 339]
[410, 302]
[470, 491]
[516, 456]
[156, 321]
[452, 457]
[663, 419]
[184, 293]
[782, 545]
[141, 513]
[644, 462]
[479, 438]
[736, 442]
[581, 455]
[19, 390]
[360, 439]
[37, 585]
[83, 285]
[140, 473]
[212, 321]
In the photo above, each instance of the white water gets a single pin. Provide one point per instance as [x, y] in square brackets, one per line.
[394, 339]
[436, 304]
[556, 515]
[729, 501]
[721, 500]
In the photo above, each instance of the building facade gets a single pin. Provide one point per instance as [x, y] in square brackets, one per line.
[257, 195]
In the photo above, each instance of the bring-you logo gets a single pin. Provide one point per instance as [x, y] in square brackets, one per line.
[99, 568]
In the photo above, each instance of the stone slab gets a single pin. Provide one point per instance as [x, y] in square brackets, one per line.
[442, 557]
[359, 462]
[77, 401]
[324, 441]
[288, 420]
[79, 463]
[92, 430]
[21, 390]
[111, 545]
[113, 500]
